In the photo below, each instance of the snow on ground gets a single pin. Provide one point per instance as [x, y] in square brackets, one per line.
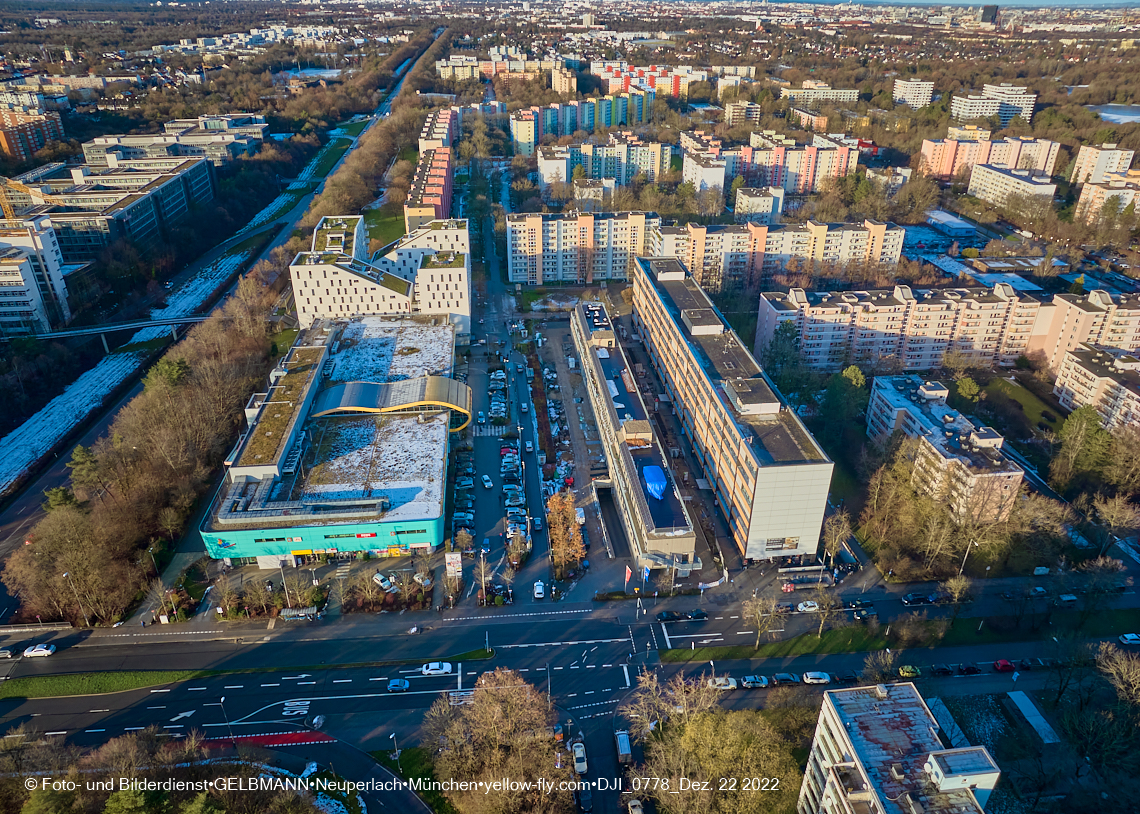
[555, 302]
[310, 169]
[392, 456]
[33, 439]
[275, 208]
[380, 349]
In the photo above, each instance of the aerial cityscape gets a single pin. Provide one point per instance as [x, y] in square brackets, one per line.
[534, 407]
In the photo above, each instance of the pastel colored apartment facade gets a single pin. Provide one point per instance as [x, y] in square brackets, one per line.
[1095, 163]
[770, 477]
[1094, 196]
[995, 184]
[33, 289]
[769, 160]
[440, 130]
[1005, 101]
[761, 205]
[22, 134]
[812, 93]
[578, 247]
[621, 158]
[1107, 379]
[563, 81]
[914, 93]
[429, 197]
[627, 108]
[945, 158]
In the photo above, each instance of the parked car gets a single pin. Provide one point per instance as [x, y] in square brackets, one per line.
[422, 579]
[917, 599]
[464, 482]
[754, 683]
[859, 604]
[816, 678]
[539, 590]
[482, 419]
[578, 749]
[785, 678]
[941, 670]
[846, 677]
[5, 654]
[807, 607]
[1003, 666]
[669, 616]
[487, 482]
[536, 524]
[398, 685]
[382, 581]
[698, 615]
[865, 613]
[967, 669]
[909, 671]
[436, 668]
[39, 650]
[723, 683]
[1130, 638]
[529, 446]
[585, 799]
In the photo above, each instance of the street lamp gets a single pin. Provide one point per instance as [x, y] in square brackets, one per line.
[396, 746]
[229, 726]
[967, 554]
[77, 599]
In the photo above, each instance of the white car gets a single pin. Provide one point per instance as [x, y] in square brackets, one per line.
[723, 683]
[539, 590]
[635, 807]
[436, 668]
[487, 482]
[816, 678]
[807, 607]
[1130, 638]
[579, 752]
[5, 654]
[39, 650]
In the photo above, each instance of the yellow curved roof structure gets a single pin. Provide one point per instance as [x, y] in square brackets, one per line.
[404, 396]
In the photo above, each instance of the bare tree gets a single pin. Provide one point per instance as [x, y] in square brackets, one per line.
[365, 586]
[957, 588]
[406, 586]
[258, 595]
[563, 531]
[1122, 671]
[766, 613]
[879, 666]
[827, 608]
[836, 531]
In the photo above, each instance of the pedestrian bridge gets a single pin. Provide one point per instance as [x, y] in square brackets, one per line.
[410, 395]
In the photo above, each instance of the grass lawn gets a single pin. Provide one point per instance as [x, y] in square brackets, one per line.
[284, 340]
[384, 228]
[1103, 624]
[416, 762]
[854, 639]
[1033, 406]
[354, 128]
[195, 582]
[92, 683]
[532, 296]
[409, 153]
[336, 149]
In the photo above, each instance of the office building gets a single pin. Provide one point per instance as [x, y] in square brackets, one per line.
[1095, 163]
[90, 207]
[621, 158]
[813, 94]
[967, 132]
[440, 130]
[577, 247]
[319, 472]
[564, 82]
[33, 291]
[1005, 101]
[944, 159]
[1094, 196]
[959, 463]
[914, 93]
[427, 271]
[876, 751]
[761, 205]
[22, 134]
[1107, 379]
[220, 139]
[990, 15]
[769, 475]
[430, 195]
[742, 113]
[993, 184]
[654, 517]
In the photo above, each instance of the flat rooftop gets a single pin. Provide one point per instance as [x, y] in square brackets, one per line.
[777, 437]
[391, 349]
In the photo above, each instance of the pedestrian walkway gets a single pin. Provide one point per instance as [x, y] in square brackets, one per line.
[490, 430]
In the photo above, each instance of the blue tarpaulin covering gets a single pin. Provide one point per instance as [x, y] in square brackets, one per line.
[655, 481]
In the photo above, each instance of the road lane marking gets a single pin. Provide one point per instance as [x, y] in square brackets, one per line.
[160, 691]
[195, 689]
[744, 632]
[625, 669]
[558, 668]
[98, 710]
[176, 726]
[271, 685]
[299, 683]
[381, 678]
[58, 732]
[133, 728]
[233, 686]
[562, 644]
[589, 692]
[572, 695]
[665, 633]
[335, 681]
[94, 730]
[156, 707]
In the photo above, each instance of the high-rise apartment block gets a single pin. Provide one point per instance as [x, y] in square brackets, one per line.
[22, 134]
[915, 329]
[430, 195]
[945, 158]
[877, 751]
[33, 291]
[1005, 101]
[761, 205]
[742, 113]
[914, 93]
[563, 81]
[526, 129]
[1095, 164]
[958, 463]
[967, 132]
[621, 158]
[629, 108]
[1107, 379]
[743, 255]
[427, 271]
[1118, 192]
[812, 94]
[769, 160]
[440, 130]
[994, 184]
[576, 248]
[770, 477]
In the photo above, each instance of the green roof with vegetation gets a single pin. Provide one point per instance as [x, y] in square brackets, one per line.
[281, 403]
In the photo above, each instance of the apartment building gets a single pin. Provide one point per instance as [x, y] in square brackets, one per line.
[914, 93]
[577, 247]
[891, 179]
[526, 130]
[959, 462]
[993, 183]
[427, 271]
[22, 134]
[1005, 101]
[915, 329]
[967, 132]
[430, 195]
[218, 138]
[591, 195]
[33, 291]
[769, 475]
[704, 172]
[1094, 196]
[742, 255]
[945, 158]
[761, 205]
[654, 516]
[807, 119]
[621, 158]
[742, 113]
[770, 160]
[813, 94]
[1107, 379]
[1095, 163]
[628, 108]
[440, 130]
[664, 80]
[91, 207]
[462, 66]
[877, 750]
[563, 81]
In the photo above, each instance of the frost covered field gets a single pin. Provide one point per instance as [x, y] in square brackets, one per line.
[32, 440]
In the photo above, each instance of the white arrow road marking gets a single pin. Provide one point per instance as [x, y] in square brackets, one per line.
[182, 715]
[290, 678]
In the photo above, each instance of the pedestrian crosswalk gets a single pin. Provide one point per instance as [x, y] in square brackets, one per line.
[490, 430]
[342, 571]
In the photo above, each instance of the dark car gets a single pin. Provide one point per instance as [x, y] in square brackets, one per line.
[669, 616]
[860, 604]
[846, 677]
[866, 613]
[917, 599]
[1031, 664]
[787, 607]
[585, 799]
[969, 669]
[785, 678]
[698, 615]
[941, 670]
